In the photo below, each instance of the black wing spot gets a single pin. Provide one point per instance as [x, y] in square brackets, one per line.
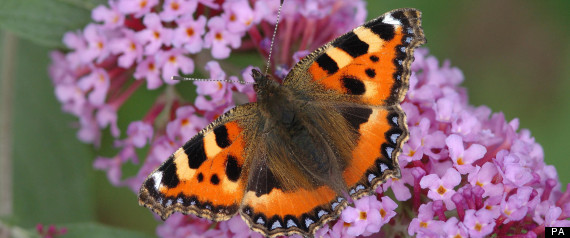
[374, 58]
[222, 137]
[370, 72]
[214, 179]
[233, 170]
[200, 177]
[263, 182]
[194, 149]
[353, 86]
[351, 44]
[385, 31]
[327, 63]
[356, 116]
[169, 176]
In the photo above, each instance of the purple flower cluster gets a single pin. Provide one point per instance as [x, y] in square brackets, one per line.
[470, 171]
[465, 171]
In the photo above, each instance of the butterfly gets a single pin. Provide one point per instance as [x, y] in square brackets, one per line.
[292, 161]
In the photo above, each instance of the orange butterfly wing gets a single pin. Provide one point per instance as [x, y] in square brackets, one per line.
[207, 176]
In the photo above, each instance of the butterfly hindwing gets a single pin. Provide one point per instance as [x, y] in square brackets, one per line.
[207, 176]
[268, 207]
[381, 132]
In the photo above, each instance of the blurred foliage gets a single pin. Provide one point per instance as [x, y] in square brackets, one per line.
[514, 55]
[45, 21]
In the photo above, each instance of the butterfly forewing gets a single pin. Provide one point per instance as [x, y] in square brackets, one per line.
[207, 176]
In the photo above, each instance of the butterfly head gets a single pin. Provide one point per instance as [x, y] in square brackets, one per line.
[265, 87]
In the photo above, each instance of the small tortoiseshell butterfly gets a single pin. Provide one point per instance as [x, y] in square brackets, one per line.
[288, 162]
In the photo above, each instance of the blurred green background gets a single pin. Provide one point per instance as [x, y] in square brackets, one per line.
[514, 55]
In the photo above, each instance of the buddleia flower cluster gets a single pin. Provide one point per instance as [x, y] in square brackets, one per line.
[465, 171]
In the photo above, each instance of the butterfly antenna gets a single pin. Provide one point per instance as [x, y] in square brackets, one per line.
[210, 80]
[273, 38]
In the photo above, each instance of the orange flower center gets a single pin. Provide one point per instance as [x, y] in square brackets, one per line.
[383, 213]
[185, 122]
[441, 190]
[219, 36]
[172, 59]
[478, 226]
[143, 3]
[190, 31]
[175, 6]
[460, 161]
[423, 224]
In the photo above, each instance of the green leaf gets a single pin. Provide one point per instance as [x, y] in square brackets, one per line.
[53, 173]
[95, 230]
[45, 21]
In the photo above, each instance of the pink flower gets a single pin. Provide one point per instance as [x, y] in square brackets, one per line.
[220, 39]
[398, 186]
[149, 69]
[442, 188]
[368, 215]
[238, 15]
[479, 224]
[173, 61]
[188, 33]
[97, 47]
[516, 206]
[454, 228]
[219, 92]
[424, 225]
[172, 9]
[511, 169]
[186, 124]
[136, 7]
[130, 48]
[140, 133]
[239, 229]
[340, 229]
[110, 16]
[463, 159]
[107, 116]
[483, 177]
[97, 83]
[155, 35]
[113, 165]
